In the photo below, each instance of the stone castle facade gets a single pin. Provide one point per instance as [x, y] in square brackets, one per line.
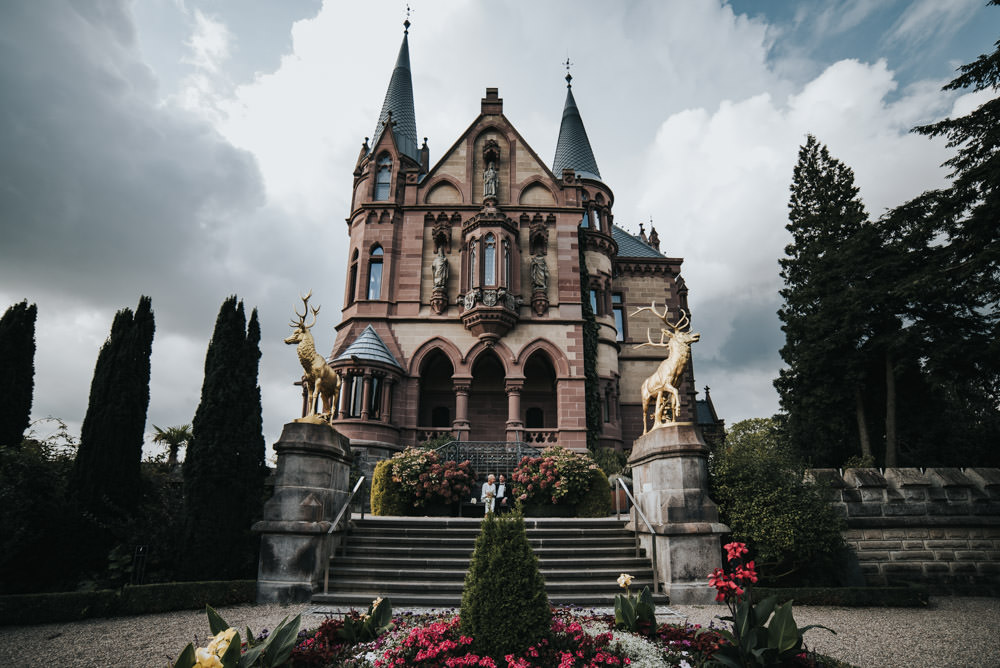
[467, 286]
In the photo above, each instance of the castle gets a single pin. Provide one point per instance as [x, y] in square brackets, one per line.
[490, 295]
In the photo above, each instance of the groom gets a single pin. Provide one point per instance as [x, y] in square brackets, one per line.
[501, 500]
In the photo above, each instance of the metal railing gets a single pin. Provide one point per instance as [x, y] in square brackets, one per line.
[635, 528]
[488, 456]
[344, 511]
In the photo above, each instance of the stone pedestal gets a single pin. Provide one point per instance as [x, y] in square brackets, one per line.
[311, 485]
[670, 481]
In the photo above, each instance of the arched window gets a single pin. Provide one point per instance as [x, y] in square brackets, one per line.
[506, 263]
[375, 274]
[383, 177]
[490, 260]
[352, 283]
[586, 220]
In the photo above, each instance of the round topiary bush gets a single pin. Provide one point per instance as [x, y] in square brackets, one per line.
[504, 605]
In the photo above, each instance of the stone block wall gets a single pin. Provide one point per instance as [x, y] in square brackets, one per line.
[939, 527]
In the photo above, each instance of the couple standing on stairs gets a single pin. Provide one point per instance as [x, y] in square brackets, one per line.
[494, 495]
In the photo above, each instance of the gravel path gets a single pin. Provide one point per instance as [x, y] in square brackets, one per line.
[952, 632]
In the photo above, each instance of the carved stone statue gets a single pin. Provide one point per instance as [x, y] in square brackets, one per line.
[539, 273]
[320, 380]
[491, 181]
[440, 269]
[667, 376]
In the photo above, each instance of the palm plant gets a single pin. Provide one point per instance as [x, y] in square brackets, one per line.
[174, 438]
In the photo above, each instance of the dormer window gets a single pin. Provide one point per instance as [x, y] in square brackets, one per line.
[383, 177]
[375, 273]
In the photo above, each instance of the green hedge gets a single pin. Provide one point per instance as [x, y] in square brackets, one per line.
[597, 502]
[22, 609]
[853, 597]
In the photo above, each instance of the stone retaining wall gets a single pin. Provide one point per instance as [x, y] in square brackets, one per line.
[939, 527]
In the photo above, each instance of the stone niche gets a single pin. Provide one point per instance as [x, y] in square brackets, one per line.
[670, 477]
[311, 486]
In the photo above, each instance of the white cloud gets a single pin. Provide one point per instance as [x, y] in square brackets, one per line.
[931, 20]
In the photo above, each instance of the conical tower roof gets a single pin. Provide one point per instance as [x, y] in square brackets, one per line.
[369, 347]
[573, 148]
[399, 103]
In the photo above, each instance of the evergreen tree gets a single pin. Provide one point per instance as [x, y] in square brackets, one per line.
[824, 315]
[504, 605]
[224, 467]
[106, 472]
[17, 382]
[951, 291]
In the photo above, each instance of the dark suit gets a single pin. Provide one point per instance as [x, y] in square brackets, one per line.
[503, 490]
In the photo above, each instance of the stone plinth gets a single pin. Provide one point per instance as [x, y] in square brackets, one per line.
[670, 478]
[311, 485]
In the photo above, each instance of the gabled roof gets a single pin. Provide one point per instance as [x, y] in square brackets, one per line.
[632, 246]
[573, 148]
[370, 347]
[399, 101]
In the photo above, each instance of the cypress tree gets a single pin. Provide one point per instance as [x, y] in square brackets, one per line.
[224, 467]
[106, 475]
[504, 606]
[17, 382]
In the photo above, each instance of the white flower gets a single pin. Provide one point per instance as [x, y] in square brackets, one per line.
[624, 580]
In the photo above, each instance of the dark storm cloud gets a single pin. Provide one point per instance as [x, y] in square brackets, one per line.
[104, 192]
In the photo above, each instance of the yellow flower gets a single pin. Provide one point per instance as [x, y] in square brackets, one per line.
[377, 602]
[206, 658]
[624, 580]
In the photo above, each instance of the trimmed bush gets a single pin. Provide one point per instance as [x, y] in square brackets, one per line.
[597, 502]
[504, 605]
[610, 461]
[386, 498]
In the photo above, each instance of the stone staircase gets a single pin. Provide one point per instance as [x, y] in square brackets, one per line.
[422, 561]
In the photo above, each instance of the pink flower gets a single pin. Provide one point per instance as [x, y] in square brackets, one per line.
[735, 550]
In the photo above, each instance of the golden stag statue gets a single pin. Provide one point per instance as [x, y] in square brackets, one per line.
[319, 379]
[667, 376]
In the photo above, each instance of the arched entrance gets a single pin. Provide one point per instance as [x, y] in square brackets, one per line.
[539, 400]
[487, 399]
[436, 408]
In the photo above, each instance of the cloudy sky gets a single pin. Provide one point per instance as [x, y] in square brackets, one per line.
[193, 149]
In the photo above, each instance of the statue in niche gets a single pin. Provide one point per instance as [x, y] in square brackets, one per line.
[491, 180]
[440, 269]
[539, 273]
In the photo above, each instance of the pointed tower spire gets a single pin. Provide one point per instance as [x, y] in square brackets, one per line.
[573, 148]
[399, 103]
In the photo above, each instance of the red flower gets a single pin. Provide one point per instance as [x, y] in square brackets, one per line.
[735, 550]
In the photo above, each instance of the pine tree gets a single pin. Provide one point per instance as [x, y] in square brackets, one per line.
[824, 315]
[106, 475]
[224, 467]
[951, 291]
[17, 382]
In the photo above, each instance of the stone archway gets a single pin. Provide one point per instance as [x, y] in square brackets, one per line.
[436, 405]
[487, 399]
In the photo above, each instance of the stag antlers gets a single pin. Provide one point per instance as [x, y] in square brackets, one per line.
[679, 325]
[302, 316]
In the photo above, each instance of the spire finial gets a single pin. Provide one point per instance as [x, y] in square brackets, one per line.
[569, 77]
[406, 23]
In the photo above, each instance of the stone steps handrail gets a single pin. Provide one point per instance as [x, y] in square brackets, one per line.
[333, 527]
[635, 526]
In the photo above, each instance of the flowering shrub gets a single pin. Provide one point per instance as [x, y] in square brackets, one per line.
[423, 478]
[559, 476]
[753, 641]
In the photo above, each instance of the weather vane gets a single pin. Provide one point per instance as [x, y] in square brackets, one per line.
[569, 77]
[406, 23]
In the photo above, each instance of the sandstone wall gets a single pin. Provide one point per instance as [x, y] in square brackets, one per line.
[939, 527]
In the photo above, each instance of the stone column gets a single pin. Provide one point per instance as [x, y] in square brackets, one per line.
[514, 423]
[387, 385]
[461, 424]
[345, 393]
[310, 487]
[366, 394]
[670, 474]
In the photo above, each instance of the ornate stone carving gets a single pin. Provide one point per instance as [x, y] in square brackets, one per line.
[539, 274]
[441, 269]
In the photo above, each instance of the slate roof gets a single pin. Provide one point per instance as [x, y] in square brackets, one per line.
[369, 346]
[704, 412]
[399, 100]
[632, 246]
[573, 148]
